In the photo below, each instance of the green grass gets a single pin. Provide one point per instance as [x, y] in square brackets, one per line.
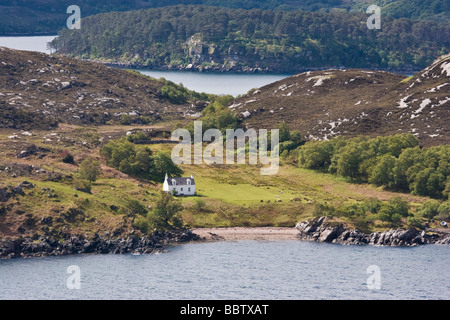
[407, 79]
[234, 195]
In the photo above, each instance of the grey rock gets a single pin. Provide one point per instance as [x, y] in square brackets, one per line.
[319, 230]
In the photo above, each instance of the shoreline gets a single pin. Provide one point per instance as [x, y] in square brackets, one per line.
[247, 233]
[316, 230]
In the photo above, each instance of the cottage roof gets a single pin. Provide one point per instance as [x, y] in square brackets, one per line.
[181, 181]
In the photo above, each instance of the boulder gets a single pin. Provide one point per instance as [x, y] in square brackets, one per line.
[26, 185]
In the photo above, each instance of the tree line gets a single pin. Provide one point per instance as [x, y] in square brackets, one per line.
[138, 161]
[284, 41]
[394, 162]
[49, 16]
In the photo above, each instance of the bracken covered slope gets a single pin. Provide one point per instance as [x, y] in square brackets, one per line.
[325, 104]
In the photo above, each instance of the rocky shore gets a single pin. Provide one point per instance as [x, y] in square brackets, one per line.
[321, 230]
[47, 246]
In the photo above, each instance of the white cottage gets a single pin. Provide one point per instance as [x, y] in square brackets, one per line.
[181, 186]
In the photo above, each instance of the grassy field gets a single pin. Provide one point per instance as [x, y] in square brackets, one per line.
[238, 195]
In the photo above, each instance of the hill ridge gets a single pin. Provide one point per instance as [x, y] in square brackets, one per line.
[324, 104]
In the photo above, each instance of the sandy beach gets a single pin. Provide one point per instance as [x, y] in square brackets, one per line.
[237, 233]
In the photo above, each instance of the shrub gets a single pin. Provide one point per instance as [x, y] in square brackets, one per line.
[126, 120]
[386, 212]
[413, 222]
[321, 210]
[372, 205]
[142, 224]
[90, 169]
[140, 135]
[429, 209]
[66, 157]
[165, 215]
[400, 206]
[135, 208]
[199, 205]
[82, 185]
[444, 211]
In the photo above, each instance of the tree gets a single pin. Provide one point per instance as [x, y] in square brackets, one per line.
[116, 152]
[163, 164]
[285, 133]
[382, 174]
[296, 137]
[165, 214]
[139, 161]
[90, 169]
[316, 155]
[349, 161]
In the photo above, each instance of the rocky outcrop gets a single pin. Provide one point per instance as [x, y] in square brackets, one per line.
[321, 230]
[47, 246]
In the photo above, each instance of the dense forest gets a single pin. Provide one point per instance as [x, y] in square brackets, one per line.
[219, 39]
[49, 16]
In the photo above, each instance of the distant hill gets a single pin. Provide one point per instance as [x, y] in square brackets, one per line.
[325, 104]
[49, 16]
[219, 39]
[38, 91]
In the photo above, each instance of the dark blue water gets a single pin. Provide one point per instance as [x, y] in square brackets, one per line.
[288, 270]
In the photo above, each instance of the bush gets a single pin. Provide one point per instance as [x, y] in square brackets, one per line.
[386, 212]
[321, 210]
[137, 136]
[82, 185]
[199, 205]
[400, 206]
[372, 205]
[444, 211]
[165, 215]
[394, 210]
[142, 224]
[126, 120]
[413, 222]
[429, 209]
[66, 157]
[135, 208]
[90, 169]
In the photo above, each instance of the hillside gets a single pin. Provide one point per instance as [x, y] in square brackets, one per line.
[49, 16]
[325, 104]
[39, 197]
[38, 91]
[219, 39]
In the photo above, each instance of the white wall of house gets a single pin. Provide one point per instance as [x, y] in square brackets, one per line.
[181, 190]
